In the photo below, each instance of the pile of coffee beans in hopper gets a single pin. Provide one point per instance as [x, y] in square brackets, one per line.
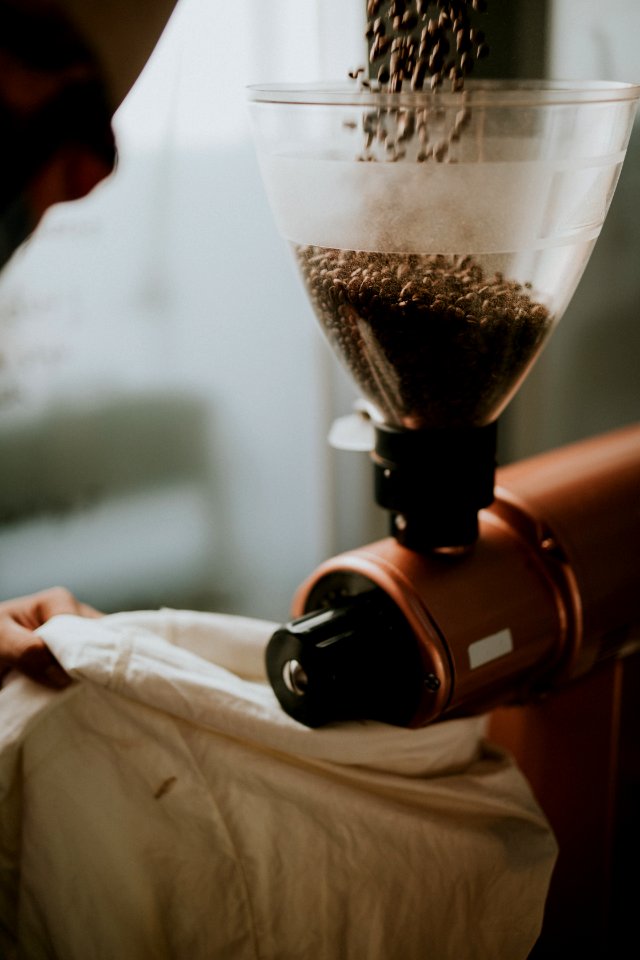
[430, 339]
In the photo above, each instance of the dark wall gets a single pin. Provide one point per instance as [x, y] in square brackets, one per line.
[517, 33]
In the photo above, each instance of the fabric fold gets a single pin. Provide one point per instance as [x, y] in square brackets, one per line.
[163, 805]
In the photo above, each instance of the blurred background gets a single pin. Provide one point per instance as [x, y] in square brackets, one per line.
[165, 395]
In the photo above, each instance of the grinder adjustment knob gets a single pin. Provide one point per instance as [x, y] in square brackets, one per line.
[357, 659]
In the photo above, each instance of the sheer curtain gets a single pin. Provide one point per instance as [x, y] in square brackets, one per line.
[165, 396]
[192, 90]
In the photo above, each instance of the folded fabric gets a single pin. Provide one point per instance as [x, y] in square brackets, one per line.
[163, 806]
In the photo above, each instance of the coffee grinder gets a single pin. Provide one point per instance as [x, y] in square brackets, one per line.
[440, 237]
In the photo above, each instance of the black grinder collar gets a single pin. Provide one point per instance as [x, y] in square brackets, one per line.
[434, 481]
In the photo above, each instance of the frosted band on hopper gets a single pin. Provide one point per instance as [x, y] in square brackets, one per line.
[507, 207]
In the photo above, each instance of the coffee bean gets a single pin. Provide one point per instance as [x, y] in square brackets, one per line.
[394, 24]
[430, 340]
[409, 20]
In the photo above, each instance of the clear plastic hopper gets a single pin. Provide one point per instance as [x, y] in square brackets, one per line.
[440, 237]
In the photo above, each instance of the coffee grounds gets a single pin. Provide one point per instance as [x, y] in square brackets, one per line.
[430, 340]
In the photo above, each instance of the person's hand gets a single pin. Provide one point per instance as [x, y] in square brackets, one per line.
[21, 649]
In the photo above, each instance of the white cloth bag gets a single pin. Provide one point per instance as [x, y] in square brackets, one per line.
[163, 806]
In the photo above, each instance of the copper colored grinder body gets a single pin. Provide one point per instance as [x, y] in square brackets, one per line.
[548, 590]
